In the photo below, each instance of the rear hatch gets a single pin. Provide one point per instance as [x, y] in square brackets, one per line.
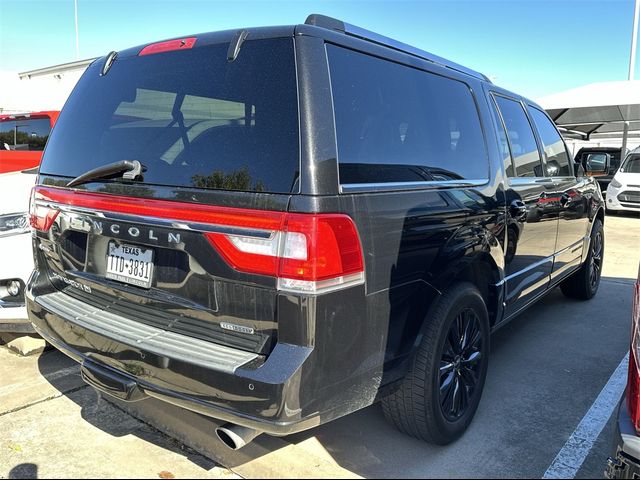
[178, 248]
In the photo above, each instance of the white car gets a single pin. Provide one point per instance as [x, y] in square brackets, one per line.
[623, 193]
[16, 256]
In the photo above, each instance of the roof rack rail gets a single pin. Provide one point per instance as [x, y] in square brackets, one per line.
[355, 31]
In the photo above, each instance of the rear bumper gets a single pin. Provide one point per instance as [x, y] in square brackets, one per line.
[279, 395]
[140, 389]
[625, 461]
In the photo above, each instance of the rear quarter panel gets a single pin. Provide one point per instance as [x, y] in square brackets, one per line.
[415, 242]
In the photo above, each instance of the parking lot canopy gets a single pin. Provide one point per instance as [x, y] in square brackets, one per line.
[597, 108]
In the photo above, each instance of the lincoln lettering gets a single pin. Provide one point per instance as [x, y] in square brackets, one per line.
[135, 232]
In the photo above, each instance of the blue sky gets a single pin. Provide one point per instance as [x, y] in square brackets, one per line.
[535, 47]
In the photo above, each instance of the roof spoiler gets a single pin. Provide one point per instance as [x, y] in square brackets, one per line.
[363, 34]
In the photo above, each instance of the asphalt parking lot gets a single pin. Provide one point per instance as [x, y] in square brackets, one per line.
[544, 392]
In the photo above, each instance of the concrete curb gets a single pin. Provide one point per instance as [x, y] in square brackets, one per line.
[25, 345]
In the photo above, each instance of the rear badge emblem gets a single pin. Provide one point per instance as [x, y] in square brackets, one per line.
[237, 328]
[72, 283]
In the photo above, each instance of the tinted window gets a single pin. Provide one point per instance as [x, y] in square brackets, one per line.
[191, 117]
[554, 147]
[524, 148]
[503, 143]
[24, 134]
[399, 124]
[615, 160]
[632, 164]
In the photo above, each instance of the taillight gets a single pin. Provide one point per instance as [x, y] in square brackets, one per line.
[633, 382]
[41, 217]
[308, 253]
[311, 253]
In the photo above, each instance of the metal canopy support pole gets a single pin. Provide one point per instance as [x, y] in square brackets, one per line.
[634, 40]
[632, 67]
[625, 136]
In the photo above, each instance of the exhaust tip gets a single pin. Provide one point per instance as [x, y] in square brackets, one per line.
[227, 438]
[235, 437]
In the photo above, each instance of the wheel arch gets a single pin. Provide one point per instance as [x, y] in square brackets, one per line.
[600, 215]
[482, 271]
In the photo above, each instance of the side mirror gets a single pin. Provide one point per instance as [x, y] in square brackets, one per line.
[597, 163]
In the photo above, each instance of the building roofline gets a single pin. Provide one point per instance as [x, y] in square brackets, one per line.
[64, 67]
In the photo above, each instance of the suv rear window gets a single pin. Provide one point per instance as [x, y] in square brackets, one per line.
[191, 117]
[399, 124]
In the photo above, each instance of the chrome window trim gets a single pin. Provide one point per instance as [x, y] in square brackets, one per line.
[399, 186]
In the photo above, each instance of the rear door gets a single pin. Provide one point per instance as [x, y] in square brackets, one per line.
[573, 208]
[532, 207]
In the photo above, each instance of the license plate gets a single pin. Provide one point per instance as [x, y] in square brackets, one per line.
[130, 264]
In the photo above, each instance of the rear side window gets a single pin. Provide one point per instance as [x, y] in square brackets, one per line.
[554, 147]
[191, 117]
[503, 143]
[28, 134]
[524, 149]
[399, 124]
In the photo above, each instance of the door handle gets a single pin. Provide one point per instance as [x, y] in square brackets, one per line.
[545, 181]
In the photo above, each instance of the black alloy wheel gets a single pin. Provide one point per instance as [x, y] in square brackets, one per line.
[438, 398]
[595, 261]
[460, 364]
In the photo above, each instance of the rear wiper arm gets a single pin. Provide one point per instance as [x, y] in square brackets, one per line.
[129, 169]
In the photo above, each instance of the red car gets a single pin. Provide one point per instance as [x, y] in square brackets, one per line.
[22, 139]
[625, 463]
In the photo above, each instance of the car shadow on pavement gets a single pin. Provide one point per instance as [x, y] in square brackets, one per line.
[546, 368]
[106, 416]
[24, 470]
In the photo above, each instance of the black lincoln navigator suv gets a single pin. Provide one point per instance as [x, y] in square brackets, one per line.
[278, 226]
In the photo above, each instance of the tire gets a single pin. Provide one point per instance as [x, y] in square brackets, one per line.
[583, 285]
[418, 408]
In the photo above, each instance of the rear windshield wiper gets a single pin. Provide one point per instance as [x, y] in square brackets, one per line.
[128, 169]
